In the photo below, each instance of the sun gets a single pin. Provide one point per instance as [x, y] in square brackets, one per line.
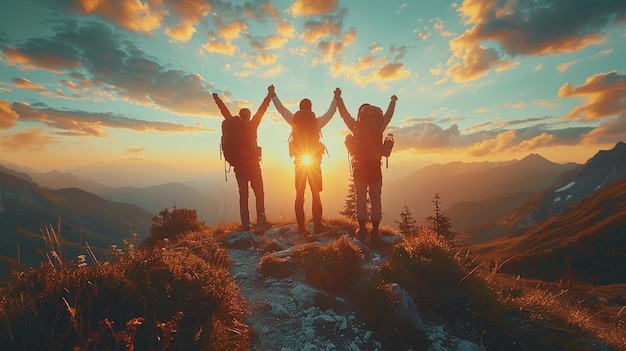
[306, 160]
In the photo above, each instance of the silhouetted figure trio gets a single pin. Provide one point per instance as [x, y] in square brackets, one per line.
[365, 146]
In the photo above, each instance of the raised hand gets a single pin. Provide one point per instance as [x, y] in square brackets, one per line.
[271, 89]
[337, 93]
[215, 96]
[394, 98]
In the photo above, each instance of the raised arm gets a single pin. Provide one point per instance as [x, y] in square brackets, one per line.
[325, 118]
[390, 110]
[222, 106]
[343, 111]
[256, 119]
[287, 115]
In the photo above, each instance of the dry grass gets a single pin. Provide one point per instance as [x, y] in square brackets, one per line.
[172, 297]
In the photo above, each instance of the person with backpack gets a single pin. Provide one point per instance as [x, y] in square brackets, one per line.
[239, 145]
[307, 150]
[365, 146]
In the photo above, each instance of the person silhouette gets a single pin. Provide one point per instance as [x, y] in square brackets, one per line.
[368, 130]
[247, 164]
[307, 151]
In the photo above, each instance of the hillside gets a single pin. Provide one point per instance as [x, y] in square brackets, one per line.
[571, 187]
[585, 242]
[80, 216]
[501, 185]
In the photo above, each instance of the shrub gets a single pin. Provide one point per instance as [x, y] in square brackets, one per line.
[146, 298]
[278, 267]
[441, 283]
[334, 266]
[172, 224]
[378, 305]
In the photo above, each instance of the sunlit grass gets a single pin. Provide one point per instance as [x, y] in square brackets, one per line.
[179, 297]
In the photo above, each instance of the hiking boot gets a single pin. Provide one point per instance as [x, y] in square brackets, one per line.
[303, 229]
[360, 233]
[320, 227]
[375, 234]
[262, 225]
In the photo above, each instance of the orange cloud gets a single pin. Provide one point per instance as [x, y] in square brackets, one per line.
[134, 150]
[607, 132]
[500, 143]
[314, 31]
[32, 140]
[217, 47]
[308, 8]
[24, 83]
[47, 60]
[526, 28]
[537, 142]
[604, 96]
[231, 30]
[8, 117]
[181, 33]
[393, 71]
[133, 15]
[190, 12]
[565, 66]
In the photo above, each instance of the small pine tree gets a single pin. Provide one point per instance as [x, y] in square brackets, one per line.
[349, 209]
[440, 223]
[407, 224]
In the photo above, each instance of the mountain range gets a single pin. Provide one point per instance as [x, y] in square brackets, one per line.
[472, 194]
[77, 216]
[522, 208]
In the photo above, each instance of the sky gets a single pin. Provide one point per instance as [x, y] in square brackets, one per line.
[87, 81]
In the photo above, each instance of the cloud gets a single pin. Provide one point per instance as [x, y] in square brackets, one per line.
[607, 132]
[8, 117]
[32, 140]
[181, 33]
[309, 8]
[130, 14]
[316, 30]
[40, 54]
[526, 28]
[232, 30]
[220, 47]
[542, 140]
[134, 150]
[425, 135]
[565, 66]
[81, 123]
[117, 69]
[604, 95]
[24, 83]
[190, 12]
[491, 146]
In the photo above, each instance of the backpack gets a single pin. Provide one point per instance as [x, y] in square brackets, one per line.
[366, 144]
[238, 144]
[305, 137]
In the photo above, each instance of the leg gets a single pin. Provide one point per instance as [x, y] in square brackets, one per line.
[375, 190]
[315, 182]
[299, 202]
[242, 183]
[256, 182]
[360, 188]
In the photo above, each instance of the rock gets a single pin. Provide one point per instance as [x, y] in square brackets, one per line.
[407, 307]
[279, 311]
[465, 345]
[304, 294]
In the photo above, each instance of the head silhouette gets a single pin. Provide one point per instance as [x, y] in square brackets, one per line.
[362, 110]
[305, 105]
[244, 113]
